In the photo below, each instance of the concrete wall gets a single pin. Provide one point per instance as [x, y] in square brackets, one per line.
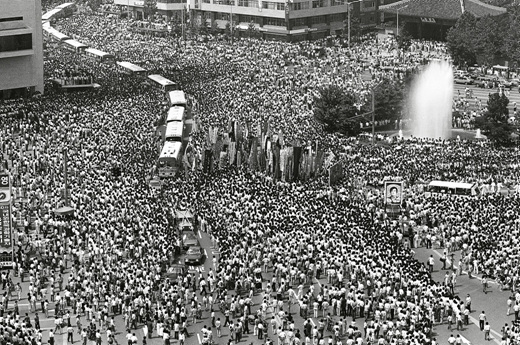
[26, 69]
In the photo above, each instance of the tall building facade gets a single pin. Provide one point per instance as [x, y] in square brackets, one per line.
[21, 48]
[278, 19]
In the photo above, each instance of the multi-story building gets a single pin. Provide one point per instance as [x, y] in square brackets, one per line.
[21, 48]
[280, 19]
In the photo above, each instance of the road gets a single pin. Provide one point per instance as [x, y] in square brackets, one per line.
[483, 95]
[494, 304]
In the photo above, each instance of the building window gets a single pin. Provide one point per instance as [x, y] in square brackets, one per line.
[299, 22]
[206, 1]
[318, 3]
[269, 5]
[368, 4]
[274, 21]
[338, 17]
[248, 3]
[300, 6]
[318, 20]
[15, 43]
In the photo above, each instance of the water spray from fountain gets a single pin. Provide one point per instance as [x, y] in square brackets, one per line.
[431, 100]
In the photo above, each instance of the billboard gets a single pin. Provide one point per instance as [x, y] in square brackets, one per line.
[393, 192]
[6, 234]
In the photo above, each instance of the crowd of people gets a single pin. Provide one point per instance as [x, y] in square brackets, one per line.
[109, 260]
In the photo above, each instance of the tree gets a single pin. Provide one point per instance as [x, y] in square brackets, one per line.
[355, 28]
[490, 38]
[149, 8]
[404, 40]
[389, 99]
[512, 39]
[494, 123]
[461, 40]
[251, 29]
[335, 109]
[214, 27]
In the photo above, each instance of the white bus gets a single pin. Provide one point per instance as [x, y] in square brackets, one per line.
[174, 131]
[177, 98]
[130, 68]
[74, 46]
[175, 114]
[52, 34]
[100, 56]
[170, 159]
[451, 188]
[162, 83]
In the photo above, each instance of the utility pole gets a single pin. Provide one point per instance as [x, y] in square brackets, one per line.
[231, 21]
[373, 117]
[65, 176]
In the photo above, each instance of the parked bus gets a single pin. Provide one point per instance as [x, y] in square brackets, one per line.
[162, 83]
[175, 114]
[452, 188]
[74, 46]
[170, 159]
[100, 56]
[67, 9]
[54, 35]
[54, 13]
[130, 68]
[174, 131]
[177, 98]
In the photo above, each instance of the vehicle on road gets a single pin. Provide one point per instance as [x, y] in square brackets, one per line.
[507, 83]
[485, 81]
[189, 239]
[463, 79]
[195, 255]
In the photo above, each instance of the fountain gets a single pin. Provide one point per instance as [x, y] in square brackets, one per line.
[478, 135]
[431, 100]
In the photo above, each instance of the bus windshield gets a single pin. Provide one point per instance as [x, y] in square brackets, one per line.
[169, 159]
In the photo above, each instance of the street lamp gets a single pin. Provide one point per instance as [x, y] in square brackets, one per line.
[397, 11]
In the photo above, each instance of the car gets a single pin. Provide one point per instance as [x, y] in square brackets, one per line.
[194, 255]
[507, 83]
[463, 80]
[485, 81]
[189, 239]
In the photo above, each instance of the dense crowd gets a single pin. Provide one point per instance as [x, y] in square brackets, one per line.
[121, 237]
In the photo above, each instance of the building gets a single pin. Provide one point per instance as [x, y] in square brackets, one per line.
[293, 21]
[21, 48]
[431, 19]
[277, 19]
[165, 8]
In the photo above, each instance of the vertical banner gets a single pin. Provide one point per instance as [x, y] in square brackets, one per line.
[297, 154]
[6, 231]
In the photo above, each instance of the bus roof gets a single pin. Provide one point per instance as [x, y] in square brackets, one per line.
[174, 129]
[98, 52]
[449, 184]
[65, 5]
[51, 13]
[175, 114]
[131, 66]
[170, 150]
[177, 97]
[76, 44]
[160, 80]
[52, 31]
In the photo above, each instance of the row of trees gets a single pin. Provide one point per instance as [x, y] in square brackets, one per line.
[336, 109]
[486, 39]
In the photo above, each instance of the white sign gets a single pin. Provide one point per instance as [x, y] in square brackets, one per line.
[427, 20]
